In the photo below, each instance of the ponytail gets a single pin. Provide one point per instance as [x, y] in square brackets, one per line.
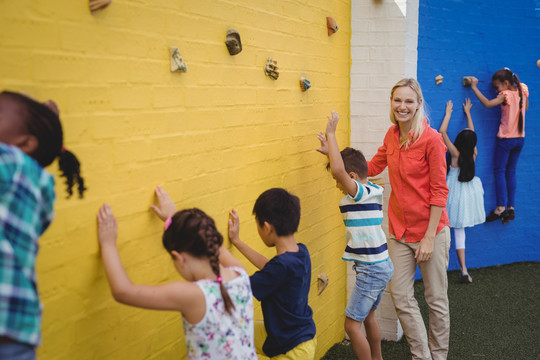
[213, 256]
[506, 74]
[71, 169]
[520, 90]
[42, 121]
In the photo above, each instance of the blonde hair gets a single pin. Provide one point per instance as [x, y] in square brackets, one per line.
[417, 124]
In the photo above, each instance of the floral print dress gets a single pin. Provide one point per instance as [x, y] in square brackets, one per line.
[220, 335]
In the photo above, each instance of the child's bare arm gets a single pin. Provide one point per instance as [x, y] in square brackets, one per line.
[337, 167]
[177, 296]
[254, 257]
[444, 126]
[227, 259]
[467, 109]
[484, 100]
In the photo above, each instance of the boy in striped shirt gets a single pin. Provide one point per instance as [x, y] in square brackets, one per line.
[366, 247]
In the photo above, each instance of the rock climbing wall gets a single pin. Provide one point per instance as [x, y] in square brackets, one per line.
[215, 136]
[478, 38]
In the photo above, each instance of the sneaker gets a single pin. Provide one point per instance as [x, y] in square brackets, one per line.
[508, 215]
[466, 278]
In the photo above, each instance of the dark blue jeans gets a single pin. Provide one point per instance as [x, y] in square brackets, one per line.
[506, 157]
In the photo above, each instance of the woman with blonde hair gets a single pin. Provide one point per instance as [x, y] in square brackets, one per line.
[418, 223]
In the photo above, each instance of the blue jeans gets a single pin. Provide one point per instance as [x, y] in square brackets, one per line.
[371, 280]
[17, 351]
[506, 157]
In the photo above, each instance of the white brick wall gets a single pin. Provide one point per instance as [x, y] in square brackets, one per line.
[383, 50]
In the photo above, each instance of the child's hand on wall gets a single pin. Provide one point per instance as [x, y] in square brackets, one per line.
[324, 143]
[474, 80]
[234, 227]
[449, 106]
[107, 226]
[467, 106]
[166, 207]
[332, 123]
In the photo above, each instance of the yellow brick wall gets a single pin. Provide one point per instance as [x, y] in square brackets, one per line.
[214, 137]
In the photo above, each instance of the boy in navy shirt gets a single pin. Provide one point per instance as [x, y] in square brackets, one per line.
[282, 283]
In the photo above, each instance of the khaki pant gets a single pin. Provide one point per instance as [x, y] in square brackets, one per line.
[436, 294]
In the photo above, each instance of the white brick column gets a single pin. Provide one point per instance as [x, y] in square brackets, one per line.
[383, 50]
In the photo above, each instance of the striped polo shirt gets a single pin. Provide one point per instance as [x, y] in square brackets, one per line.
[363, 216]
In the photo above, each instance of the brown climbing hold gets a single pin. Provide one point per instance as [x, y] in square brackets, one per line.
[322, 282]
[271, 69]
[177, 63]
[304, 84]
[331, 25]
[233, 42]
[98, 4]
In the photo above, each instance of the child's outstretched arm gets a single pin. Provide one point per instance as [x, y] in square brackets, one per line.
[442, 130]
[467, 110]
[337, 168]
[254, 257]
[179, 296]
[484, 100]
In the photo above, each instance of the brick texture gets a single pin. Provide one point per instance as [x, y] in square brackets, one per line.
[214, 137]
[455, 42]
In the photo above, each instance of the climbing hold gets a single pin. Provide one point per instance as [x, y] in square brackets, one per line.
[438, 79]
[331, 25]
[304, 84]
[271, 69]
[538, 63]
[98, 4]
[234, 45]
[466, 81]
[177, 64]
[322, 282]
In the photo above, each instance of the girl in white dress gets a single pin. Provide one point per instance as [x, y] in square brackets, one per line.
[465, 204]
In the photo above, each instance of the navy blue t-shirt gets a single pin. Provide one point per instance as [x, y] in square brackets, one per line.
[282, 287]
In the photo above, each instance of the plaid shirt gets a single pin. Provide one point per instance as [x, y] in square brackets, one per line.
[26, 210]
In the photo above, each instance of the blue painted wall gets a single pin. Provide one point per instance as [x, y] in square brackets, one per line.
[477, 37]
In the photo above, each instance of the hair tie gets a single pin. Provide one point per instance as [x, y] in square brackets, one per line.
[168, 223]
[219, 279]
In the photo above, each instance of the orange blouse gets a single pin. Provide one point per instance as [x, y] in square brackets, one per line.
[418, 179]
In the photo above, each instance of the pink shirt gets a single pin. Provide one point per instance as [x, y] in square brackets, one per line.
[418, 179]
[510, 113]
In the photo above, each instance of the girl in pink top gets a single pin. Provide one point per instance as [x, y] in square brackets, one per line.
[419, 234]
[514, 100]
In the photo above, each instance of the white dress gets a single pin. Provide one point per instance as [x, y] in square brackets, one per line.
[465, 204]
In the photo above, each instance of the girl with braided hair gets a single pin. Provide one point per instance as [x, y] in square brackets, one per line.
[513, 98]
[31, 138]
[216, 300]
